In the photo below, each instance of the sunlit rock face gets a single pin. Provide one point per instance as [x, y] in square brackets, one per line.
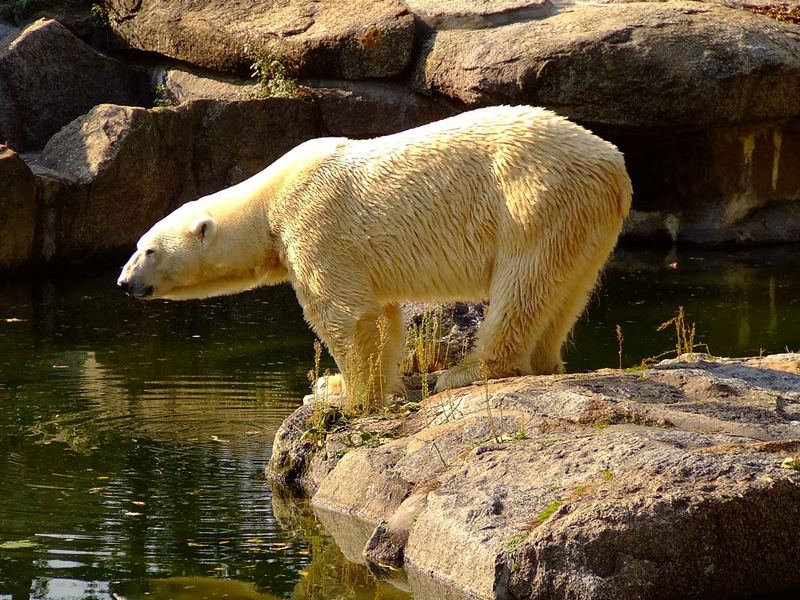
[330, 39]
[671, 482]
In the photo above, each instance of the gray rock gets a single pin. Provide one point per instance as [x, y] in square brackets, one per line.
[118, 169]
[322, 39]
[48, 77]
[663, 66]
[356, 109]
[665, 483]
[17, 210]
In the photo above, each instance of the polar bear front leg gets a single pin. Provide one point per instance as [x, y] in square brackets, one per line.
[366, 344]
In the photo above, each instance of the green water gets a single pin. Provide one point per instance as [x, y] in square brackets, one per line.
[132, 435]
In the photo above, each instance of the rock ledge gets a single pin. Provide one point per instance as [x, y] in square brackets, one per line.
[676, 481]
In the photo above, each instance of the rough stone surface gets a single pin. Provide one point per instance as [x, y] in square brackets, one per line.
[48, 77]
[477, 14]
[323, 39]
[355, 109]
[369, 109]
[17, 210]
[664, 483]
[118, 169]
[647, 65]
[182, 85]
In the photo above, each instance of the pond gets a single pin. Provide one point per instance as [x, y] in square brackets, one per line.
[133, 435]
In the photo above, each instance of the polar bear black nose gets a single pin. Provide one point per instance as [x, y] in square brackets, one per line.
[124, 285]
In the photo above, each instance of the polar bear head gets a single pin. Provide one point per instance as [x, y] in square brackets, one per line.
[200, 250]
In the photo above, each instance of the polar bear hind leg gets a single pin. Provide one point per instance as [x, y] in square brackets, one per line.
[535, 297]
[522, 302]
[546, 355]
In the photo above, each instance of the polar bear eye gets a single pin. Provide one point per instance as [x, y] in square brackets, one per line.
[149, 251]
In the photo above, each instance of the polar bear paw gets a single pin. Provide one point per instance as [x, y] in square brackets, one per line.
[329, 389]
[458, 376]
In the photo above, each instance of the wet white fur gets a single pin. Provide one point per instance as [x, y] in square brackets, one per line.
[513, 205]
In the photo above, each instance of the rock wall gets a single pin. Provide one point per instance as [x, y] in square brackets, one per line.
[700, 96]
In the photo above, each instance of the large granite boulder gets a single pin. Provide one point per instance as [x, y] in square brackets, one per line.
[661, 66]
[366, 109]
[112, 173]
[181, 85]
[17, 210]
[324, 39]
[48, 77]
[679, 481]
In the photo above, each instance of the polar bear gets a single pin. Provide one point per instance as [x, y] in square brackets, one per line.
[515, 206]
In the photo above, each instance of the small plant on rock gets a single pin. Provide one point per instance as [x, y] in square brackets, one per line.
[274, 71]
[684, 338]
[162, 97]
[18, 10]
[100, 15]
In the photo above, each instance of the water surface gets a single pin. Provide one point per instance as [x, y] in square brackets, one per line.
[132, 435]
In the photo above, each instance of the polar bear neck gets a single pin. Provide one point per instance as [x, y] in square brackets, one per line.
[240, 215]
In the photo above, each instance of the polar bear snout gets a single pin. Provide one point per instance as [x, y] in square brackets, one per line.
[132, 281]
[134, 288]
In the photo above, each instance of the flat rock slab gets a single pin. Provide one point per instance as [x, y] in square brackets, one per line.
[678, 481]
[323, 39]
[354, 109]
[477, 14]
[648, 65]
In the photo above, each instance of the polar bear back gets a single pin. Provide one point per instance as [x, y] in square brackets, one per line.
[431, 211]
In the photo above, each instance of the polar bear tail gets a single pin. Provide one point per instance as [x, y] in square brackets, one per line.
[624, 189]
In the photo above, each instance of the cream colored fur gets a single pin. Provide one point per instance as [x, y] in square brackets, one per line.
[513, 205]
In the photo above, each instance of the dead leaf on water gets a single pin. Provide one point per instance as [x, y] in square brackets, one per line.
[17, 544]
[279, 547]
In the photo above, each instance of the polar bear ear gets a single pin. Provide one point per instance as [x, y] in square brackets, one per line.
[204, 228]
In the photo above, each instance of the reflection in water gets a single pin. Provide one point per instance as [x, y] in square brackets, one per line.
[132, 434]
